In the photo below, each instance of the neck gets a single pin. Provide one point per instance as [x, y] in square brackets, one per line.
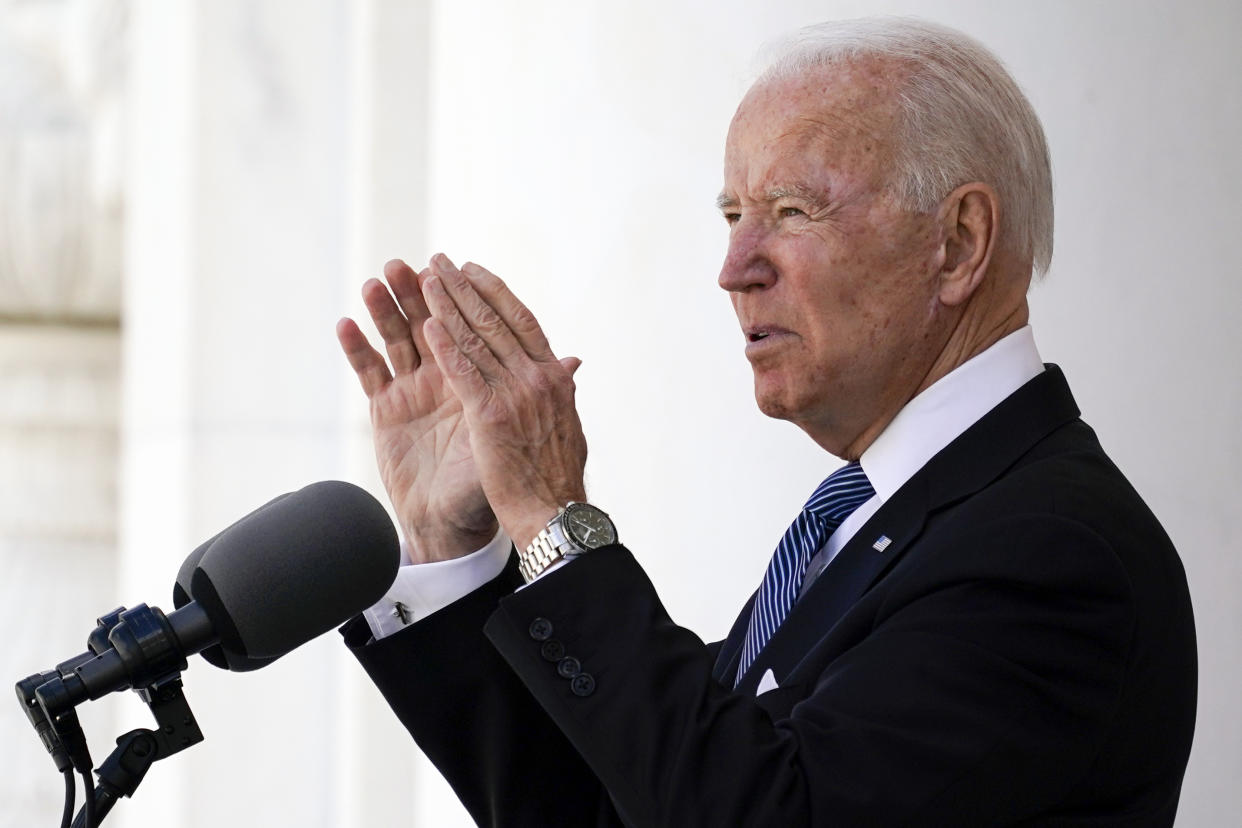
[968, 336]
[971, 337]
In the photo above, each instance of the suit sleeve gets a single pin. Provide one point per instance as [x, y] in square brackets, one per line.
[505, 759]
[971, 690]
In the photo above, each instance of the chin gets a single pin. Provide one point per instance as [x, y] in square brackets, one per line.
[776, 412]
[805, 411]
[772, 402]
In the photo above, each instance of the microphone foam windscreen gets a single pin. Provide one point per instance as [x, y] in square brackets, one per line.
[296, 568]
[182, 595]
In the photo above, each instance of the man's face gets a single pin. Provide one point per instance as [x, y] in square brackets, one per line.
[833, 282]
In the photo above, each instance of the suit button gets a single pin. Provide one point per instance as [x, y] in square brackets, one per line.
[583, 684]
[541, 629]
[552, 650]
[568, 667]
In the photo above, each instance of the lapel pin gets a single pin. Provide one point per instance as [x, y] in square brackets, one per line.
[881, 543]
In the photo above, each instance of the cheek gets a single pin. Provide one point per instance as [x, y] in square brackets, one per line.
[864, 297]
[884, 318]
[903, 284]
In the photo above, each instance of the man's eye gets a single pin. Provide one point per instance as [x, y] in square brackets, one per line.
[788, 212]
[732, 218]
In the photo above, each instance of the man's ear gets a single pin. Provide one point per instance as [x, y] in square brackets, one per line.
[969, 217]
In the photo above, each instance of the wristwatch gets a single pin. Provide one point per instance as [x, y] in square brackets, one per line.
[577, 528]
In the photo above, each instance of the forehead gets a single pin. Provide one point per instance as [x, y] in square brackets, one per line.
[837, 119]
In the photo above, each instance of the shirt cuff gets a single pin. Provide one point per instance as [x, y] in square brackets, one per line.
[421, 589]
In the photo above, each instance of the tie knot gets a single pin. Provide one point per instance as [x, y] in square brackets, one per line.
[840, 494]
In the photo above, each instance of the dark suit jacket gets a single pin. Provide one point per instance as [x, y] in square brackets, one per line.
[1022, 652]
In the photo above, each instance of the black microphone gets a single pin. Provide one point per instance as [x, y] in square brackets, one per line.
[284, 574]
[182, 595]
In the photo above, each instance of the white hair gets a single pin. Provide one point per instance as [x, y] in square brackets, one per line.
[961, 118]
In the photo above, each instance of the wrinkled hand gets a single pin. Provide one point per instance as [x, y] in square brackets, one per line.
[422, 443]
[517, 397]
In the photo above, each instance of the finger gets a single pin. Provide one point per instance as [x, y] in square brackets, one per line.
[517, 317]
[393, 327]
[468, 343]
[478, 314]
[459, 371]
[571, 364]
[367, 363]
[404, 283]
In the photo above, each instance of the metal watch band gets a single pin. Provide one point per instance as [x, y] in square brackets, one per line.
[542, 553]
[556, 540]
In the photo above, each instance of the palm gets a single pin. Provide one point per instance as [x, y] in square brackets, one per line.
[422, 444]
[422, 447]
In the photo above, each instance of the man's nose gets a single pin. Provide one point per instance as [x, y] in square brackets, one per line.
[746, 265]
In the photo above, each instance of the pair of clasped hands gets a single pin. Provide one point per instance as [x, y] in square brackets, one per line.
[474, 423]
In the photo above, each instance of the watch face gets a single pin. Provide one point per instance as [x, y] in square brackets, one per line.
[589, 527]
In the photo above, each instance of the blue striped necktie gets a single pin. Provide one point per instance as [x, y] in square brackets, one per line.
[836, 499]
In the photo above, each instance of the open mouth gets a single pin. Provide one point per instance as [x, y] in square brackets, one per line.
[758, 333]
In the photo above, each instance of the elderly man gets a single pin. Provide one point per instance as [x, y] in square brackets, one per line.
[975, 621]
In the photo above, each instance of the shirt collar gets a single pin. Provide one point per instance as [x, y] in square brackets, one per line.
[945, 409]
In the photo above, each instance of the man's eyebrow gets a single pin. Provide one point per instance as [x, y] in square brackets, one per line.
[812, 194]
[802, 191]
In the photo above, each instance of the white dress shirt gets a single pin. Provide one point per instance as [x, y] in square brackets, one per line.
[421, 589]
[927, 424]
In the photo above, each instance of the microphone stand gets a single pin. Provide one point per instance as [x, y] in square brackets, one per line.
[127, 765]
[141, 648]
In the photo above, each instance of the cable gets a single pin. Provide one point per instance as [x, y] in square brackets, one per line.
[71, 790]
[89, 792]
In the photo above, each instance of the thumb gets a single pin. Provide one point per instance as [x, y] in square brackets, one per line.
[571, 364]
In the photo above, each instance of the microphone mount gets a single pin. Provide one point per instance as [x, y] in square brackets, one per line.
[145, 646]
[124, 769]
[267, 584]
[140, 648]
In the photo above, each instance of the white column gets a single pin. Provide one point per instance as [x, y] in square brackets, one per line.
[236, 252]
[381, 777]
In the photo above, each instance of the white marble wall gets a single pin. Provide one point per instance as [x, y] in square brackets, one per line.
[58, 441]
[61, 71]
[61, 123]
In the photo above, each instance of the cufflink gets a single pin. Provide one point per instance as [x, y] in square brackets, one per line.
[401, 612]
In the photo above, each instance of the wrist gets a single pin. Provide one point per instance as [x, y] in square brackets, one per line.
[522, 521]
[428, 544]
[574, 530]
[524, 530]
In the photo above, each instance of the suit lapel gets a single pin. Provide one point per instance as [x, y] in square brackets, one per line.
[731, 651]
[976, 458]
[858, 565]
